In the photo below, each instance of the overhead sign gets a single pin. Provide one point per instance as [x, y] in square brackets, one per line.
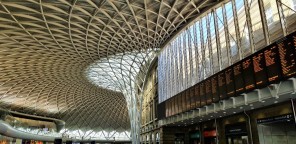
[286, 117]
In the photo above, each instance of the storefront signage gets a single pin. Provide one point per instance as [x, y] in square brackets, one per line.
[195, 135]
[286, 117]
[236, 129]
[211, 133]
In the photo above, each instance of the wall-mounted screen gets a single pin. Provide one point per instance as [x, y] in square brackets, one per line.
[221, 85]
[202, 93]
[230, 89]
[259, 70]
[273, 66]
[208, 88]
[215, 90]
[238, 78]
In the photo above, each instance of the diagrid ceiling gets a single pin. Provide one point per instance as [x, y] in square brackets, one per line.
[49, 47]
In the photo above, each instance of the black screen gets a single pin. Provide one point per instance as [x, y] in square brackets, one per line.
[222, 85]
[208, 91]
[214, 87]
[229, 82]
[272, 63]
[238, 78]
[248, 74]
[202, 93]
[287, 56]
[259, 69]
[197, 97]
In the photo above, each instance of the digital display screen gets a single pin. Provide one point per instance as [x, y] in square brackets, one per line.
[287, 56]
[248, 74]
[238, 78]
[184, 103]
[272, 63]
[259, 70]
[188, 99]
[197, 97]
[222, 85]
[208, 91]
[215, 89]
[202, 93]
[179, 103]
[192, 95]
[230, 89]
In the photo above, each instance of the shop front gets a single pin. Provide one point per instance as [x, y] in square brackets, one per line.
[236, 133]
[179, 138]
[277, 129]
[210, 136]
[194, 137]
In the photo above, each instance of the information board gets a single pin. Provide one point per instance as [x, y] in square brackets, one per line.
[286, 48]
[248, 74]
[208, 88]
[197, 95]
[192, 96]
[259, 70]
[188, 99]
[202, 93]
[221, 85]
[215, 90]
[273, 66]
[238, 78]
[230, 89]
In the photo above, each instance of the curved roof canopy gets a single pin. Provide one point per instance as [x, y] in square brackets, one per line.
[50, 53]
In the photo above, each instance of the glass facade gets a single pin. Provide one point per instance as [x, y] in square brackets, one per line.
[219, 38]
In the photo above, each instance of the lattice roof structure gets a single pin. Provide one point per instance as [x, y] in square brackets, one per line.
[78, 60]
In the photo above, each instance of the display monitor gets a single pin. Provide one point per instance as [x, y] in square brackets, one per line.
[273, 66]
[221, 85]
[259, 70]
[214, 86]
[248, 74]
[287, 52]
[230, 89]
[238, 78]
[202, 93]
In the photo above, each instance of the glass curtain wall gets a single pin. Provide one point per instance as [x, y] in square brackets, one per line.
[220, 37]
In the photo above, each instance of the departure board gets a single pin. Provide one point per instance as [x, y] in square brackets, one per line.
[248, 74]
[192, 95]
[230, 89]
[202, 93]
[221, 85]
[181, 109]
[259, 70]
[208, 91]
[183, 101]
[287, 56]
[188, 99]
[215, 89]
[273, 66]
[197, 97]
[238, 78]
